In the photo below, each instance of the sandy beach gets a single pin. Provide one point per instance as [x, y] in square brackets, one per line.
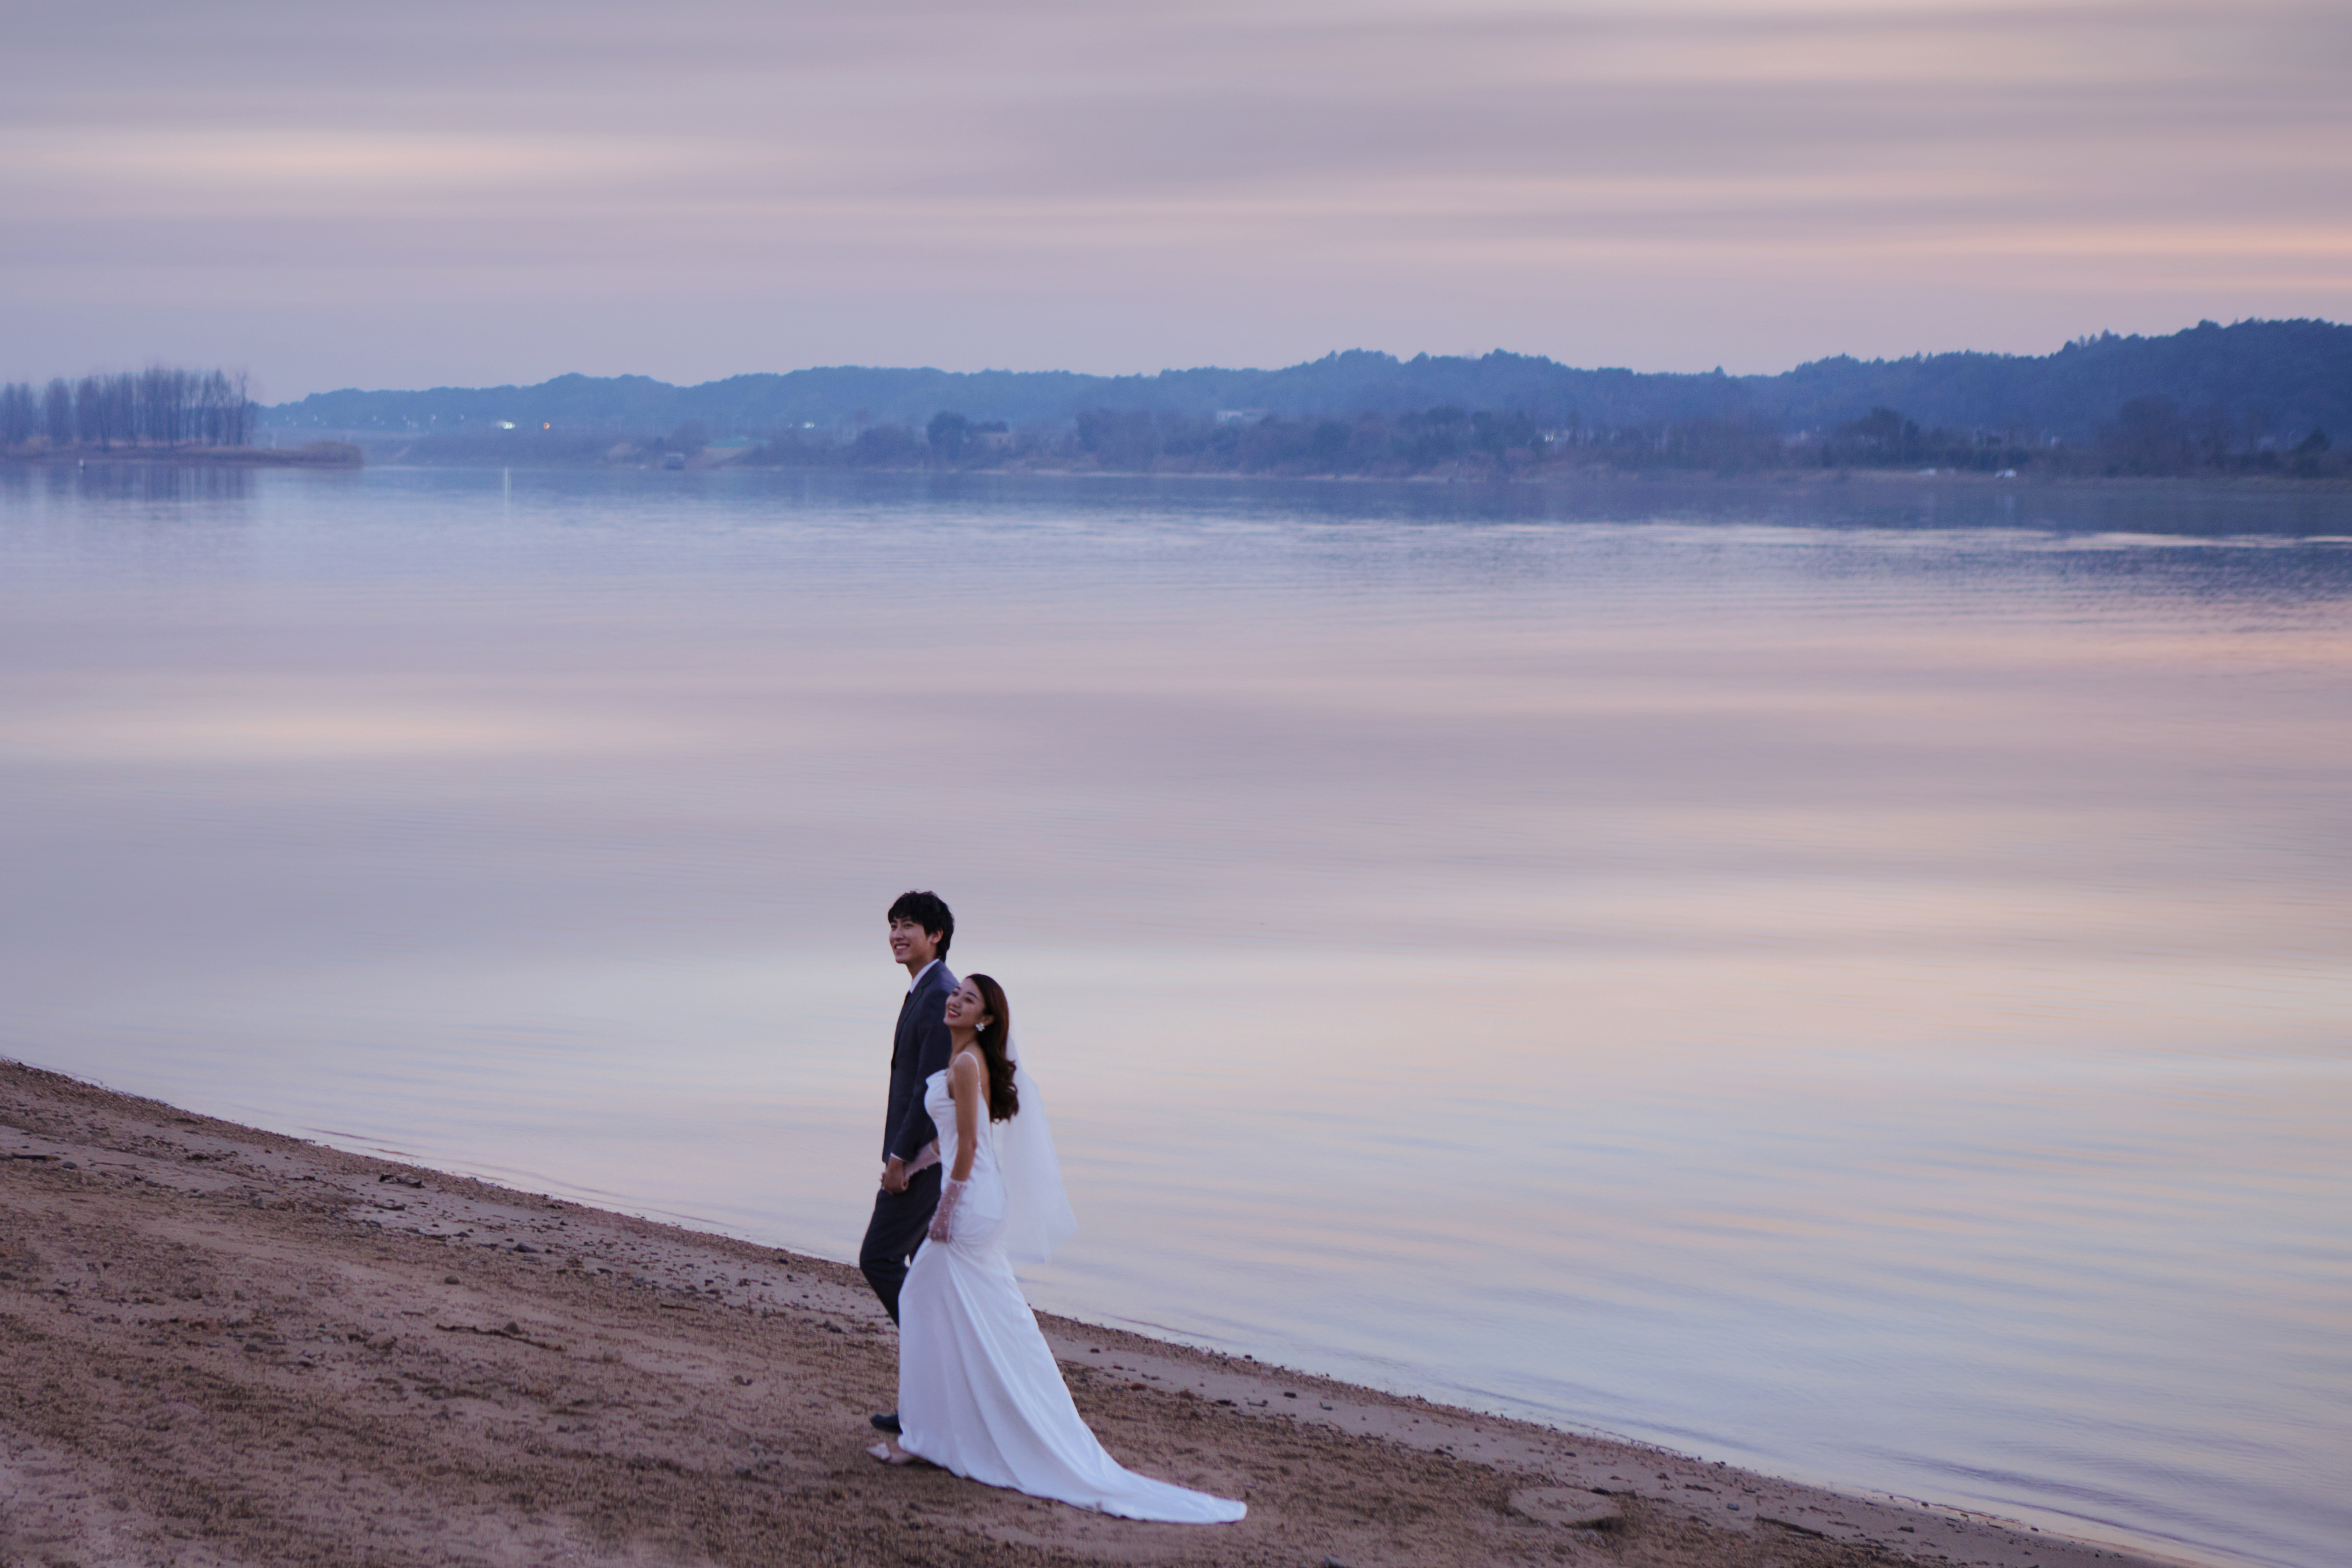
[225, 1346]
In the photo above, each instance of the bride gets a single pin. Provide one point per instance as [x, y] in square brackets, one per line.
[978, 1390]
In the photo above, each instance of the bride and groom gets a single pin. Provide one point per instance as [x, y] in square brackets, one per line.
[970, 1183]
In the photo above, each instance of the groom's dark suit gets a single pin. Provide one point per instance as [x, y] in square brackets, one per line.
[920, 1048]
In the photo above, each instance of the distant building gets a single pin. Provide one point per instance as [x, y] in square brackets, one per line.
[1241, 415]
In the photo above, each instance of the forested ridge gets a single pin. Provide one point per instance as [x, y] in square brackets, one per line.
[2254, 397]
[2270, 381]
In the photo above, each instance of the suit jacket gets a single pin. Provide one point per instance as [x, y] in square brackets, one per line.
[920, 1048]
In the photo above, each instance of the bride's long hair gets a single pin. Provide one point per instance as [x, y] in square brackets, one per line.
[1003, 1099]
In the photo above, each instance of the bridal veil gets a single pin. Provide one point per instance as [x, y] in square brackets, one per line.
[1037, 1214]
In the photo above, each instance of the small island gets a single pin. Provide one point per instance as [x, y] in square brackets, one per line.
[162, 414]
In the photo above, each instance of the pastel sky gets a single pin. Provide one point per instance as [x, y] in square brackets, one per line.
[440, 192]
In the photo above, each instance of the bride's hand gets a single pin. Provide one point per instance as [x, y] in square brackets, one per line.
[943, 1217]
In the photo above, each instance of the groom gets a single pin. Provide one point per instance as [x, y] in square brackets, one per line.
[920, 930]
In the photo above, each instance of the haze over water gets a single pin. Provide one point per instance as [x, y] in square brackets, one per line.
[1847, 981]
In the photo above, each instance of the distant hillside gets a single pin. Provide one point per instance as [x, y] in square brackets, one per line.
[2280, 379]
[2270, 381]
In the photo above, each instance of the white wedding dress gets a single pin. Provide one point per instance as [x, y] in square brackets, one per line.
[979, 1392]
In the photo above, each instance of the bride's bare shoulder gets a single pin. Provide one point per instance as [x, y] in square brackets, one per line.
[968, 1079]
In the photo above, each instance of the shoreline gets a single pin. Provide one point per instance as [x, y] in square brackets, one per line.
[1536, 479]
[230, 1346]
[352, 455]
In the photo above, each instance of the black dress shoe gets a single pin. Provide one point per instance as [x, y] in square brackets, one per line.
[886, 1422]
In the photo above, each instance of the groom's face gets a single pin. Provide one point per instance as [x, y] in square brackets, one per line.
[910, 943]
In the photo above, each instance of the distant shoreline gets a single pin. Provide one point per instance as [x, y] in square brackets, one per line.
[348, 455]
[1799, 478]
[1563, 476]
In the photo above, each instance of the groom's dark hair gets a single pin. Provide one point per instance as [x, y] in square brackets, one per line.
[930, 911]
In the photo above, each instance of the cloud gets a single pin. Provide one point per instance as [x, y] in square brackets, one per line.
[789, 183]
[198, 173]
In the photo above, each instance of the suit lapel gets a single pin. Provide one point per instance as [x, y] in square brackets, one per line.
[936, 976]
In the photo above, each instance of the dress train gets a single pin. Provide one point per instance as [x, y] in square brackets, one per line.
[978, 1391]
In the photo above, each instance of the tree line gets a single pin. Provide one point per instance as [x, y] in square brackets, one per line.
[159, 407]
[1142, 440]
[2149, 435]
[2276, 380]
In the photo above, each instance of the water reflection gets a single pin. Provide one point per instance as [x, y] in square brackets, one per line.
[1847, 992]
[151, 483]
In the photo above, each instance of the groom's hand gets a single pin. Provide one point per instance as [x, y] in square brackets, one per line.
[893, 1175]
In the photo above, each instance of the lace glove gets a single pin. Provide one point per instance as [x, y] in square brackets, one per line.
[943, 1217]
[927, 1159]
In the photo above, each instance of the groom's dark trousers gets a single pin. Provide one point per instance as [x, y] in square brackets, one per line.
[919, 1049]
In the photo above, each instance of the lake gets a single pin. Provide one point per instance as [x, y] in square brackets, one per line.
[1847, 980]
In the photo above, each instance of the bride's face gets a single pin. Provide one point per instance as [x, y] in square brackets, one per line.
[964, 1011]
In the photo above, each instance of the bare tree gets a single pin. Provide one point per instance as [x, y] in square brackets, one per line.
[91, 421]
[19, 414]
[58, 405]
[161, 396]
[232, 396]
[163, 405]
[123, 407]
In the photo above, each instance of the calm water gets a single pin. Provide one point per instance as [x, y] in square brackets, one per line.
[1851, 982]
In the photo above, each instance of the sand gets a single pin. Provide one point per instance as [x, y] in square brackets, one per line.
[223, 1346]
